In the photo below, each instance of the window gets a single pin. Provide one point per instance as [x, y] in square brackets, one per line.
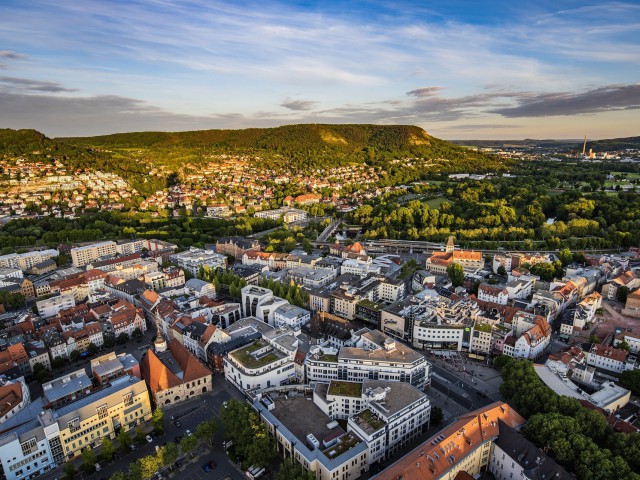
[29, 446]
[102, 411]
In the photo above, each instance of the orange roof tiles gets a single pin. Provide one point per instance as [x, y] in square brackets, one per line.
[191, 366]
[430, 461]
[156, 373]
[10, 396]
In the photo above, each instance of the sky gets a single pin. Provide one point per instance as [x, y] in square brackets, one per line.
[459, 69]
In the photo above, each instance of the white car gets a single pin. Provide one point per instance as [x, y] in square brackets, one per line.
[188, 432]
[149, 438]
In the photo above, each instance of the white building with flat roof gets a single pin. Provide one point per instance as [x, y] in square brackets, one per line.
[81, 256]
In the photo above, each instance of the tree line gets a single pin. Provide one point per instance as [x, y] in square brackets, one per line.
[576, 437]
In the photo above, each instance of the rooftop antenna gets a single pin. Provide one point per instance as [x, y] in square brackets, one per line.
[584, 147]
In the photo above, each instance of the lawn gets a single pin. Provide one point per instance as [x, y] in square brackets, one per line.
[371, 419]
[348, 389]
[435, 202]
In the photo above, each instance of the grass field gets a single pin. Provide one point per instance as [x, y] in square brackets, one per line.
[435, 202]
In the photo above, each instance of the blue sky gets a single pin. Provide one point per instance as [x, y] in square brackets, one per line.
[459, 69]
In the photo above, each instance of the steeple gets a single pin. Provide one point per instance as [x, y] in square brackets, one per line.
[160, 343]
[450, 245]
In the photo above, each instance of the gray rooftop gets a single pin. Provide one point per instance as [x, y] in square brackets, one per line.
[291, 311]
[69, 384]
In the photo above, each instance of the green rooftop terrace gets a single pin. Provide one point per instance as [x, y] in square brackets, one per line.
[248, 359]
[347, 389]
[483, 327]
[345, 443]
[374, 422]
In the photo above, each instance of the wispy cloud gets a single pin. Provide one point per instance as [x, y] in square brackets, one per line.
[608, 98]
[368, 61]
[11, 55]
[298, 105]
[28, 85]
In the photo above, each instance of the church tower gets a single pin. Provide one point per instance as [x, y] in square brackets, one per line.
[450, 245]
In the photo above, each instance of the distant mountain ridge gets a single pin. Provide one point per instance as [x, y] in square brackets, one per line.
[565, 144]
[345, 138]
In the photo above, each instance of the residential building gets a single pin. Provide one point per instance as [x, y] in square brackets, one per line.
[386, 415]
[194, 258]
[54, 436]
[81, 256]
[288, 215]
[14, 397]
[463, 446]
[513, 456]
[303, 432]
[291, 316]
[236, 246]
[375, 356]
[265, 362]
[66, 389]
[109, 366]
[493, 293]
[610, 359]
[51, 306]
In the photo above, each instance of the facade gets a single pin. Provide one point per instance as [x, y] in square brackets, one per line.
[195, 258]
[386, 415]
[375, 356]
[513, 456]
[439, 261]
[51, 306]
[81, 256]
[463, 446]
[252, 296]
[174, 375]
[291, 316]
[54, 436]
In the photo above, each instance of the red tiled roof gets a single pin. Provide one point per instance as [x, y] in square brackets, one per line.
[10, 396]
[156, 374]
[191, 366]
[426, 462]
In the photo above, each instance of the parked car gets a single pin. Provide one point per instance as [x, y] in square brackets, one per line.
[149, 438]
[177, 423]
[177, 439]
[211, 465]
[133, 447]
[188, 432]
[481, 394]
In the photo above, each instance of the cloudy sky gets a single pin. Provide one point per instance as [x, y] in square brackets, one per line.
[460, 69]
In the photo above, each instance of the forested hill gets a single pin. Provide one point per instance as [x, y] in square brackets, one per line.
[400, 153]
[288, 138]
[611, 144]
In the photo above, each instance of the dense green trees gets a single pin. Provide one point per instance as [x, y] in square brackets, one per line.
[455, 271]
[577, 437]
[251, 441]
[48, 231]
[631, 379]
[481, 213]
[291, 292]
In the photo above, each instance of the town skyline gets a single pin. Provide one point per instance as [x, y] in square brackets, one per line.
[467, 71]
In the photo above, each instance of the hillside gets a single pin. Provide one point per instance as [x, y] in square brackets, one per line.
[611, 144]
[303, 148]
[401, 153]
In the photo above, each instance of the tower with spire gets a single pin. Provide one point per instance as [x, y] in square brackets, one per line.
[160, 344]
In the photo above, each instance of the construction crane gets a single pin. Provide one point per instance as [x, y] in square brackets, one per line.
[584, 147]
